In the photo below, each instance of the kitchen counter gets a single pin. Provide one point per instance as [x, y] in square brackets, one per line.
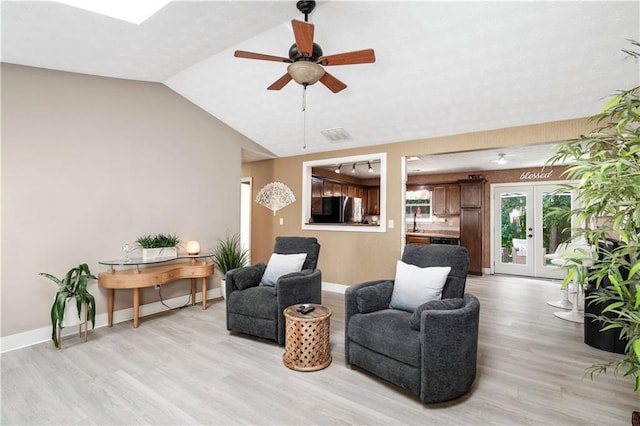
[441, 234]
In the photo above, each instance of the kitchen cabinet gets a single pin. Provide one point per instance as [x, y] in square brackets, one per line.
[471, 194]
[471, 201]
[471, 238]
[332, 189]
[373, 200]
[418, 239]
[446, 200]
[316, 195]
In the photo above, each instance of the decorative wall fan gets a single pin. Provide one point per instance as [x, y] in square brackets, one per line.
[306, 57]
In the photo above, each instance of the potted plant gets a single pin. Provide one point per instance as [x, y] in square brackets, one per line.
[158, 246]
[229, 255]
[606, 165]
[72, 286]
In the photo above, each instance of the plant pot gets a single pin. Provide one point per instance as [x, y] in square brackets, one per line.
[223, 288]
[72, 319]
[159, 253]
[71, 313]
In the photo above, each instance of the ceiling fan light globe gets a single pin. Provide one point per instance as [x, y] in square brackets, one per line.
[305, 72]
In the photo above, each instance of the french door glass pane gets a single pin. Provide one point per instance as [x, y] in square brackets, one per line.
[555, 225]
[513, 227]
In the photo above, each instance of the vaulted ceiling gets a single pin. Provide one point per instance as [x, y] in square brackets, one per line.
[442, 68]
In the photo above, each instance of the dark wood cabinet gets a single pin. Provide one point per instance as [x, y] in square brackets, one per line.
[446, 200]
[332, 189]
[471, 194]
[316, 195]
[418, 239]
[471, 238]
[373, 200]
[471, 200]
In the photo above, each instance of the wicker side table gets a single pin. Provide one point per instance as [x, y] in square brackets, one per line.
[307, 339]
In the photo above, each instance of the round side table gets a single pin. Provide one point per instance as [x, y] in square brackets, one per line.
[307, 339]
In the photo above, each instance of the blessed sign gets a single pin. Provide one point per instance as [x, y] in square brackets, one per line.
[535, 175]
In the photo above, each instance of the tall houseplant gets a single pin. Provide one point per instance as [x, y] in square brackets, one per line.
[229, 255]
[606, 165]
[72, 286]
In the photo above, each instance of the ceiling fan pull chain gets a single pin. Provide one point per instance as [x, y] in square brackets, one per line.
[304, 116]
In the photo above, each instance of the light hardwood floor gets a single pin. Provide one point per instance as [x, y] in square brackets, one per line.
[184, 367]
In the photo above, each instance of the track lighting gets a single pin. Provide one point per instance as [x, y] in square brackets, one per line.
[337, 170]
[370, 168]
[353, 169]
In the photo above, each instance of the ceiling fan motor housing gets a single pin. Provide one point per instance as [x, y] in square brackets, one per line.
[294, 55]
[306, 6]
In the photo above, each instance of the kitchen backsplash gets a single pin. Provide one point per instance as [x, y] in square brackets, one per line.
[449, 223]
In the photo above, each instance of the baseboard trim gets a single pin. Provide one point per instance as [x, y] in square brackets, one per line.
[334, 288]
[43, 334]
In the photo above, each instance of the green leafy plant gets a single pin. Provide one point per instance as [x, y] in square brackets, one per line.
[229, 254]
[73, 285]
[606, 165]
[158, 240]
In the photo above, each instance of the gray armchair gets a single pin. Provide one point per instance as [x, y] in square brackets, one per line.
[257, 309]
[431, 352]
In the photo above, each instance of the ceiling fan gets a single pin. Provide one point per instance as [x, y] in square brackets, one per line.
[306, 57]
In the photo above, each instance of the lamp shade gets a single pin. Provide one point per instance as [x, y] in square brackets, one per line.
[193, 247]
[304, 72]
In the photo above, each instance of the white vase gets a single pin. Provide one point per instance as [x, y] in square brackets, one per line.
[71, 319]
[71, 313]
[223, 287]
[159, 253]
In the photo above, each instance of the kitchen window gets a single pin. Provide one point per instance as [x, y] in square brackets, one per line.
[418, 207]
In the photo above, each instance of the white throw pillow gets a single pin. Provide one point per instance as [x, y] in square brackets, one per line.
[282, 264]
[414, 285]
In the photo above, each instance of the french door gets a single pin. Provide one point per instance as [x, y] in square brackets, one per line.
[525, 231]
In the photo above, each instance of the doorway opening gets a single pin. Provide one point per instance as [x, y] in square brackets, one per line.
[246, 191]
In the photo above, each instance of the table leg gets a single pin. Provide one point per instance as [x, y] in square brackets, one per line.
[110, 298]
[193, 291]
[204, 292]
[136, 307]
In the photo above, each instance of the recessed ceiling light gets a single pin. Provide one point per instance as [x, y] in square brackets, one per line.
[500, 160]
[126, 10]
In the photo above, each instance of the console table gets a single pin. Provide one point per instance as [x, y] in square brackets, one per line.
[161, 272]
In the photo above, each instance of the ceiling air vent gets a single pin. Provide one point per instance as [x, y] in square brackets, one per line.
[336, 135]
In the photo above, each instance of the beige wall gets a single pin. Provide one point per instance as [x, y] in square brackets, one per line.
[352, 257]
[89, 163]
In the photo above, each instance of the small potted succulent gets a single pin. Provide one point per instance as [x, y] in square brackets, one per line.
[158, 246]
[73, 287]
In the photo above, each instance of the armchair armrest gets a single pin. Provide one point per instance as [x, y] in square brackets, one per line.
[298, 287]
[351, 307]
[351, 296]
[232, 277]
[449, 341]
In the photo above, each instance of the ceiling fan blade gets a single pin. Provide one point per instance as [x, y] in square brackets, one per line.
[251, 55]
[356, 57]
[303, 31]
[280, 83]
[332, 83]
